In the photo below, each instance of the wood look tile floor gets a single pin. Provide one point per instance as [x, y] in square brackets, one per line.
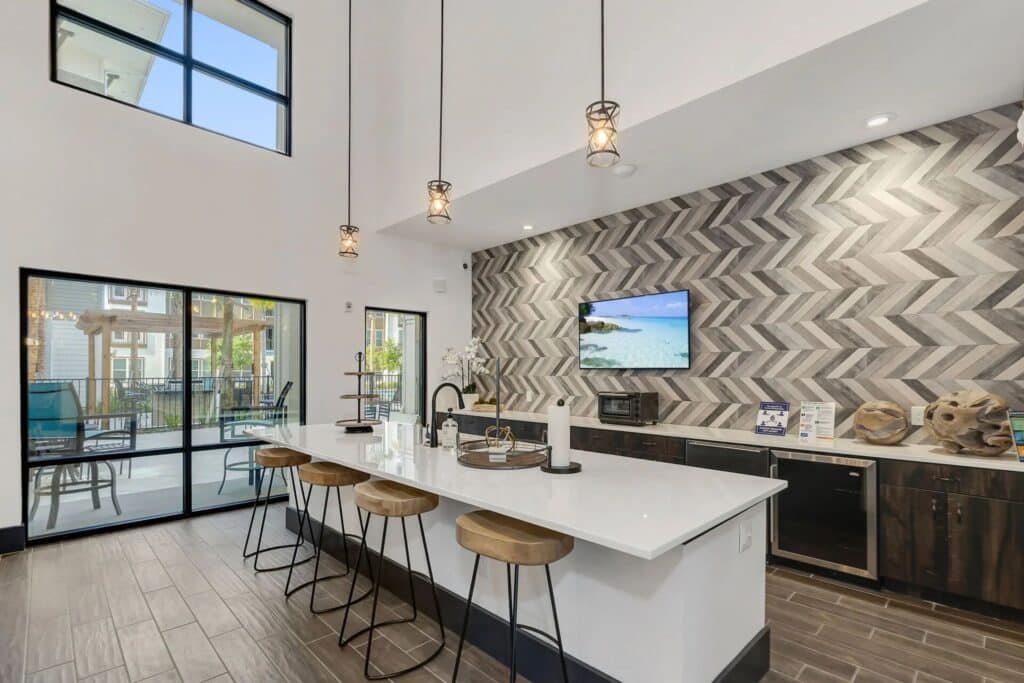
[175, 602]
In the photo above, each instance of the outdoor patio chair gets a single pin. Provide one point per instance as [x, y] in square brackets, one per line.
[235, 422]
[58, 428]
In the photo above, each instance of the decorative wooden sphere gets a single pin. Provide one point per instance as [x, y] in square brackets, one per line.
[881, 422]
[973, 422]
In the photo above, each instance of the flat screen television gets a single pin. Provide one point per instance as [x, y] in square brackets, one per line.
[646, 332]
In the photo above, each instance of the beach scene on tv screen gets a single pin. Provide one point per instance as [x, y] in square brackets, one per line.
[649, 331]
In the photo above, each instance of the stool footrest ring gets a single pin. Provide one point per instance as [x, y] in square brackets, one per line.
[537, 631]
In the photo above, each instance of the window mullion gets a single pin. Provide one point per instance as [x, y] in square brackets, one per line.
[187, 71]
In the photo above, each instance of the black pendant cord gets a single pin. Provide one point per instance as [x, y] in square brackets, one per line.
[348, 178]
[602, 50]
[440, 100]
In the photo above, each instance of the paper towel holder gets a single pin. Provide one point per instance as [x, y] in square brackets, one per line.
[572, 468]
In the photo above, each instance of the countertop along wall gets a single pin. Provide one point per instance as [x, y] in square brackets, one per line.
[92, 186]
[893, 270]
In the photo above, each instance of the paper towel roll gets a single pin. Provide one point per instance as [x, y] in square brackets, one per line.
[558, 434]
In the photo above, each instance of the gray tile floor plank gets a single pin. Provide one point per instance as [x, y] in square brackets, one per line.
[244, 659]
[49, 643]
[294, 660]
[65, 673]
[87, 603]
[188, 579]
[14, 609]
[151, 575]
[212, 614]
[145, 654]
[96, 647]
[193, 654]
[118, 675]
[259, 620]
[169, 608]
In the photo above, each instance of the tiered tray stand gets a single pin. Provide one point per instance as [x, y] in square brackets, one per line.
[359, 424]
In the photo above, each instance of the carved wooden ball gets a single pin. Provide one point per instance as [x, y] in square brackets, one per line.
[972, 422]
[881, 422]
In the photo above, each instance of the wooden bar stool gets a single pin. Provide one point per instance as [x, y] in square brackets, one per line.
[389, 499]
[274, 459]
[329, 475]
[515, 543]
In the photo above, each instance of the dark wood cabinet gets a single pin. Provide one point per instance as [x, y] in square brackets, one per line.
[913, 536]
[729, 457]
[954, 529]
[986, 549]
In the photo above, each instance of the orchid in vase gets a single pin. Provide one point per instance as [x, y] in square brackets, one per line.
[465, 365]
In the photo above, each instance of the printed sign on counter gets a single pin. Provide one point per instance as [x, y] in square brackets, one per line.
[772, 418]
[817, 420]
[1017, 429]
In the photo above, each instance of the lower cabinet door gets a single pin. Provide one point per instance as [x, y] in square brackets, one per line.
[913, 541]
[986, 549]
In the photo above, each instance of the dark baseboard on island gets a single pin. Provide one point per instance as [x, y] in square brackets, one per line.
[12, 539]
[538, 659]
[752, 663]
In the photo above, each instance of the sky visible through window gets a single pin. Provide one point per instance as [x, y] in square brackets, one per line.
[216, 105]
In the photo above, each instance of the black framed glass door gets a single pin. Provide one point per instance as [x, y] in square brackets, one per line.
[136, 398]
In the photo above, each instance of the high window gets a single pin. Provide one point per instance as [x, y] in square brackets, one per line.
[221, 65]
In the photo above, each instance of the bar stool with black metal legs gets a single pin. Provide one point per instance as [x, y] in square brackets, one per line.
[515, 543]
[389, 499]
[274, 459]
[330, 476]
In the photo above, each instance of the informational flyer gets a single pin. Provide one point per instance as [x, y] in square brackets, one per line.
[817, 420]
[772, 418]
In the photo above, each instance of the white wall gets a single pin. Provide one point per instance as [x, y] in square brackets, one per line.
[92, 186]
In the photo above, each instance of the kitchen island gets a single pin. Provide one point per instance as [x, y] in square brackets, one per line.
[667, 579]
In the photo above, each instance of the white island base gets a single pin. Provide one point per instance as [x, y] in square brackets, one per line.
[667, 578]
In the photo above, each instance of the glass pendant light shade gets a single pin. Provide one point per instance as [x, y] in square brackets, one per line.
[438, 199]
[603, 133]
[348, 241]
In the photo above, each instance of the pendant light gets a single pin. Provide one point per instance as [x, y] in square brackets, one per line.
[348, 234]
[602, 122]
[437, 190]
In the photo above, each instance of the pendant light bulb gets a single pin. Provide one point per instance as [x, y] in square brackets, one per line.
[602, 123]
[348, 241]
[439, 190]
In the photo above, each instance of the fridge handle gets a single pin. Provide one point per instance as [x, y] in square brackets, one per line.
[773, 472]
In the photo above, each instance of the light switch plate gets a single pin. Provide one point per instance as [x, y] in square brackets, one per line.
[746, 534]
[917, 415]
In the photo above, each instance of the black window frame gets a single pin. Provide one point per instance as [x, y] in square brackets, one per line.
[186, 449]
[188, 63]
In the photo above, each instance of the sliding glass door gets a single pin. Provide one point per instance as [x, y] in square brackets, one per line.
[396, 352]
[110, 370]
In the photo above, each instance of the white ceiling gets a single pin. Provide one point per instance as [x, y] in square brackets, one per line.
[706, 97]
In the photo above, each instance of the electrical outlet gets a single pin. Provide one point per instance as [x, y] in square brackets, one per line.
[746, 534]
[917, 415]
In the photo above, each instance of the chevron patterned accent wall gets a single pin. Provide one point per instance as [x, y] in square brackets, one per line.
[892, 270]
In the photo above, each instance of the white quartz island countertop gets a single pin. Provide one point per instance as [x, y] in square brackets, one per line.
[633, 506]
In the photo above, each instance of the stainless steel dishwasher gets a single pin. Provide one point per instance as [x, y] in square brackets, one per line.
[828, 515]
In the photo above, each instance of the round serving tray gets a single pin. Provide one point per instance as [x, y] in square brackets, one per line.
[474, 454]
[356, 426]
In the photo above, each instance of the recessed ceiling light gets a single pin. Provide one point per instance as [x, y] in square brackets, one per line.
[880, 120]
[624, 170]
[527, 227]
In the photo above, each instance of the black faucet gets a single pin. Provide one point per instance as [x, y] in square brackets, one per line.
[433, 410]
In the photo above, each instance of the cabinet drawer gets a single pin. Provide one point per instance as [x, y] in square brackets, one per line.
[595, 440]
[917, 475]
[653, 447]
[728, 457]
[971, 481]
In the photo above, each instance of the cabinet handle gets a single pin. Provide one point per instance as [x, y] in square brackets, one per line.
[648, 443]
[935, 507]
[959, 513]
[948, 480]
